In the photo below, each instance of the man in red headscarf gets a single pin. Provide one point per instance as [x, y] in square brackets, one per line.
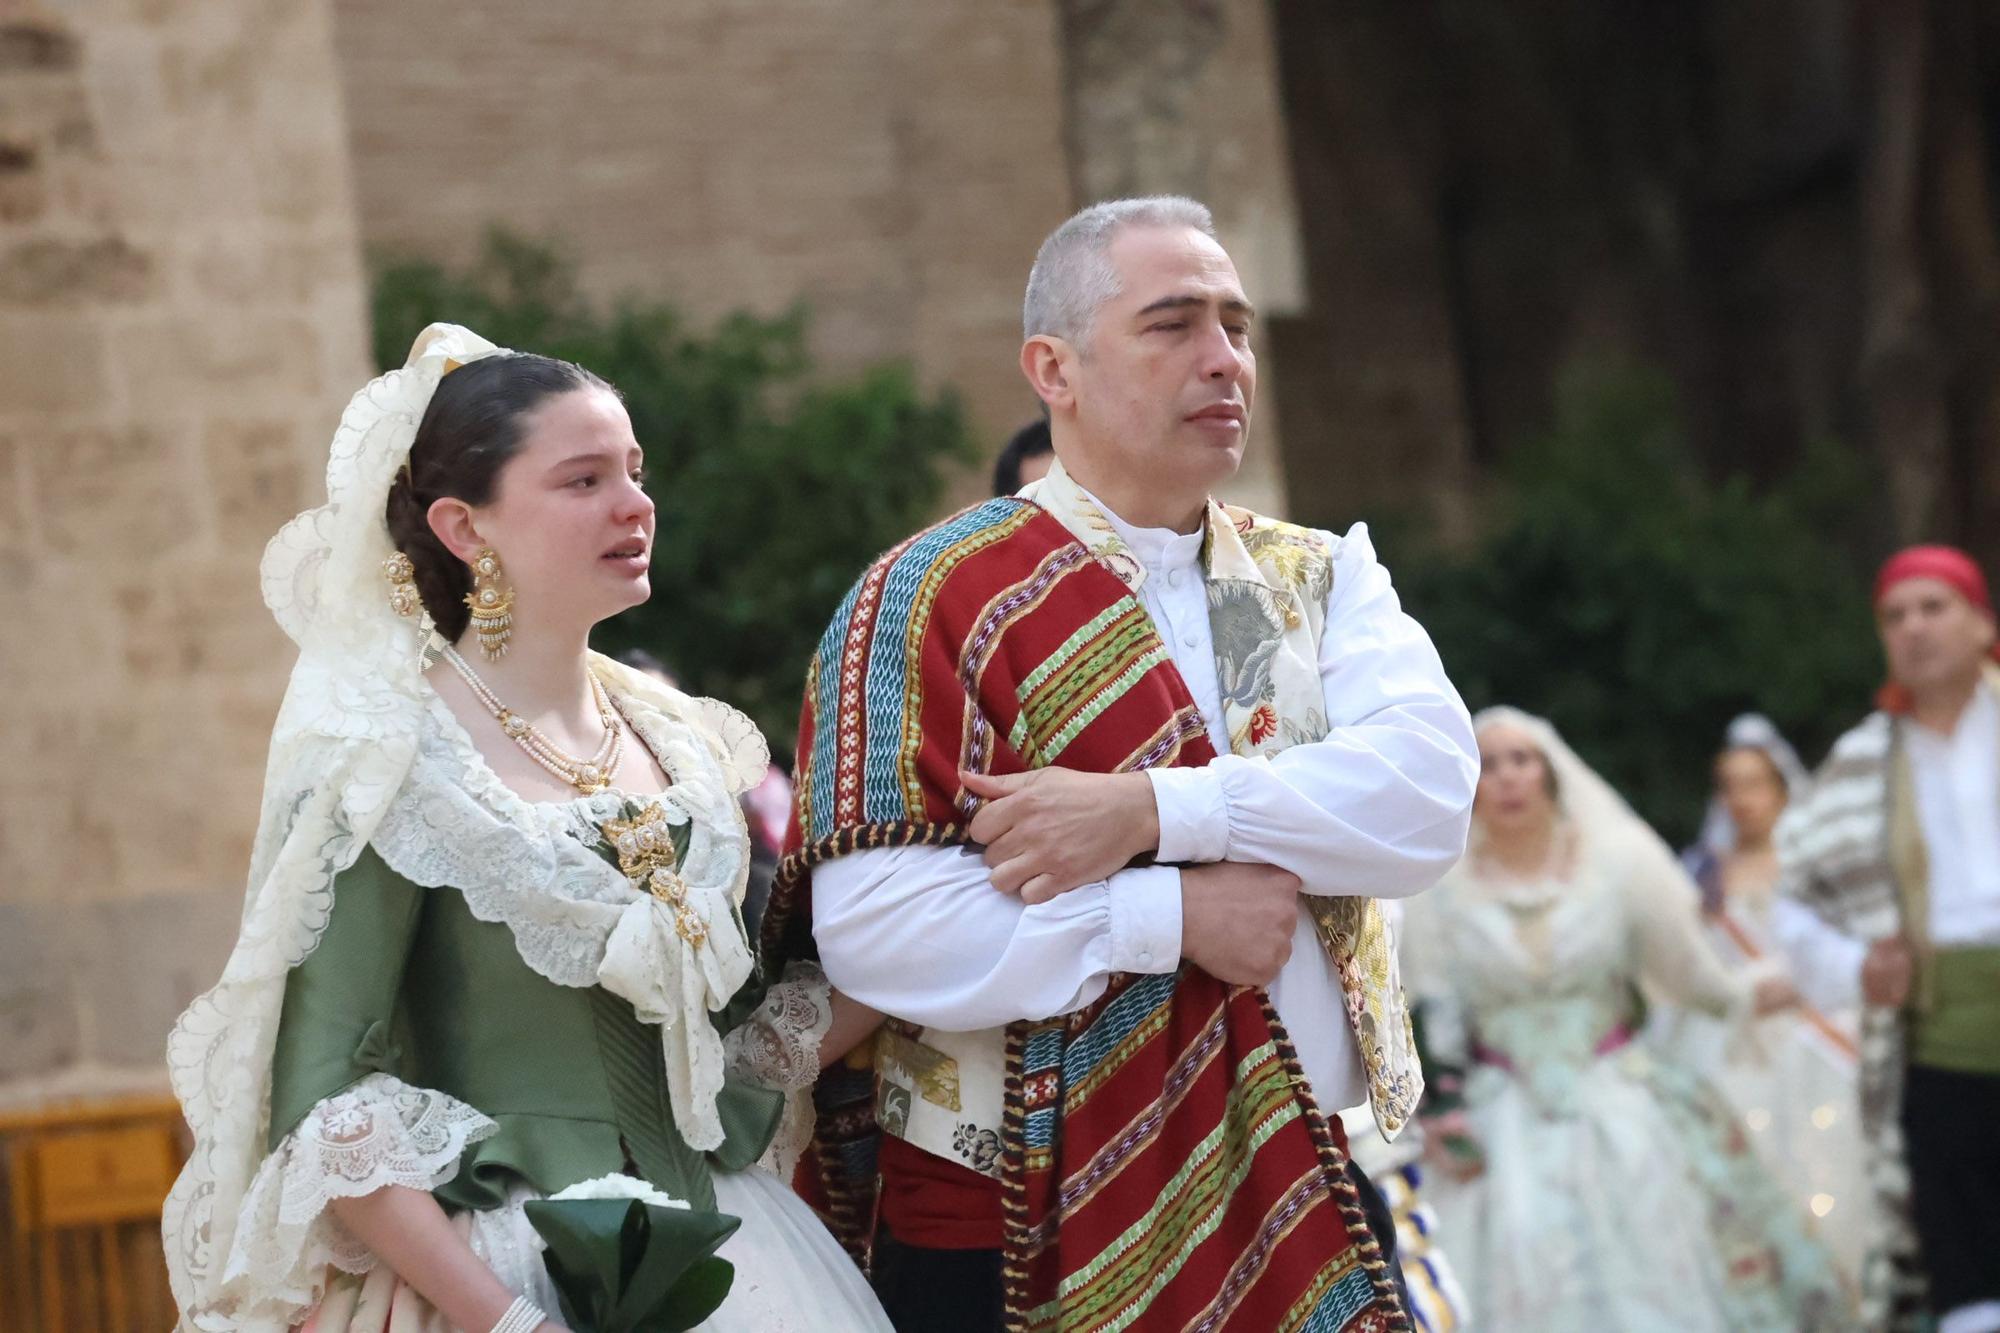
[1891, 875]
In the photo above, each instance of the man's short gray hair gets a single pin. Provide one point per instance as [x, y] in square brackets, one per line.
[1073, 277]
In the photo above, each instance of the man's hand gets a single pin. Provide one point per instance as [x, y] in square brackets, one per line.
[1886, 972]
[1237, 920]
[1051, 830]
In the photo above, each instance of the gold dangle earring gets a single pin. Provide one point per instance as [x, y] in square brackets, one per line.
[402, 575]
[492, 606]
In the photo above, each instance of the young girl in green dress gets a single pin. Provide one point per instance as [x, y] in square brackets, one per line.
[492, 950]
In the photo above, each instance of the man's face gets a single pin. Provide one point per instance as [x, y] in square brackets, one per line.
[1165, 381]
[1932, 636]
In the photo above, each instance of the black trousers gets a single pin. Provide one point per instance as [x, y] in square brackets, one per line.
[938, 1291]
[1949, 1123]
[958, 1291]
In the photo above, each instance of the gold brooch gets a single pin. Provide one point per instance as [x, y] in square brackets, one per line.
[644, 843]
[646, 856]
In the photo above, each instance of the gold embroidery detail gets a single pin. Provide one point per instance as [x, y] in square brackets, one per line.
[930, 1072]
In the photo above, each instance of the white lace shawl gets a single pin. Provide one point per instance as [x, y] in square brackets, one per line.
[576, 918]
[249, 1235]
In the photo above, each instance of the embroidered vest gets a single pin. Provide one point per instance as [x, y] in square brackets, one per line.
[1267, 584]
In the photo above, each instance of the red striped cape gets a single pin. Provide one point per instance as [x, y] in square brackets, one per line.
[1164, 1165]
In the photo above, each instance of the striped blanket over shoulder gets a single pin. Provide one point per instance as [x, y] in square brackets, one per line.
[1164, 1165]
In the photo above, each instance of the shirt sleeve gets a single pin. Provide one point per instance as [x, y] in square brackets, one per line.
[1379, 808]
[922, 934]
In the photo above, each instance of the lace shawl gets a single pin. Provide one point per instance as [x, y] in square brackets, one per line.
[250, 1237]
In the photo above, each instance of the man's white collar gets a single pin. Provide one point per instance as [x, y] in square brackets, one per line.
[1155, 548]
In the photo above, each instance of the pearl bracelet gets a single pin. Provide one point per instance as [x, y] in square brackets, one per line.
[523, 1316]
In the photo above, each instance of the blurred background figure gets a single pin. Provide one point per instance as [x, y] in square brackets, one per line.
[1790, 1075]
[1756, 774]
[1588, 1183]
[1893, 863]
[1025, 458]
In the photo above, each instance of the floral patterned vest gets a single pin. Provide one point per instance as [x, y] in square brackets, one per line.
[1267, 584]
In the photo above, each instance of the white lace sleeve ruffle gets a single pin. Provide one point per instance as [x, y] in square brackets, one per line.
[379, 1132]
[778, 1046]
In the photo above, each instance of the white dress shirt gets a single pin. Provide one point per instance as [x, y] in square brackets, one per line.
[1379, 808]
[1957, 787]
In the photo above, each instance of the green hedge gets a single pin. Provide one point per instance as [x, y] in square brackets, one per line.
[775, 485]
[1639, 605]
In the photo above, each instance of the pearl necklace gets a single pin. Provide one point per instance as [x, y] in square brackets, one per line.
[588, 776]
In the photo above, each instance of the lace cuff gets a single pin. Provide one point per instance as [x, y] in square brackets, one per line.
[379, 1132]
[778, 1046]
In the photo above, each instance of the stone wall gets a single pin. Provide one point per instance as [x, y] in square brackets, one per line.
[1183, 98]
[180, 319]
[894, 164]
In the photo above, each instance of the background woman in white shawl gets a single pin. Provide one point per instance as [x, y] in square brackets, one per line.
[1587, 1184]
[395, 775]
[1791, 1075]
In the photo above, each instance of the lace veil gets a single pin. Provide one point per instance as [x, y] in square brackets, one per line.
[345, 739]
[1752, 731]
[1604, 823]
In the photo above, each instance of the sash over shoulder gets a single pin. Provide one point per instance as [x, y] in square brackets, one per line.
[1161, 1158]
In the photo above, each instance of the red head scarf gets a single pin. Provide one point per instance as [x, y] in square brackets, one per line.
[1946, 564]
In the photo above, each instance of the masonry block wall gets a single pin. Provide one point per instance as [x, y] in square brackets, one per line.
[892, 164]
[180, 321]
